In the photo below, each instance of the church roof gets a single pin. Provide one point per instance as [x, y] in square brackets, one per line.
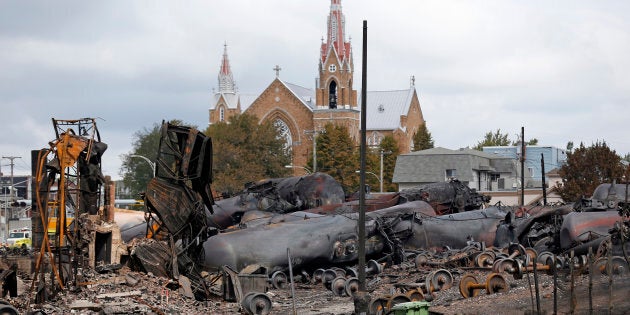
[461, 151]
[306, 95]
[231, 99]
[384, 108]
[247, 100]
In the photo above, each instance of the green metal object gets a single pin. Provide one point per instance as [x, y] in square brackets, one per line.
[411, 308]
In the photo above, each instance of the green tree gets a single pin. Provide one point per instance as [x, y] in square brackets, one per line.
[137, 172]
[492, 139]
[245, 151]
[338, 156]
[532, 141]
[588, 167]
[498, 139]
[422, 139]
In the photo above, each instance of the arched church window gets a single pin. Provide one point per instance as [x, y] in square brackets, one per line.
[374, 139]
[221, 113]
[284, 133]
[332, 95]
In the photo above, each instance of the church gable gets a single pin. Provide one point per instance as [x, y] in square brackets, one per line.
[278, 100]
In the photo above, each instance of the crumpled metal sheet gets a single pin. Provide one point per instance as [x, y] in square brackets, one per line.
[278, 195]
[310, 237]
[153, 256]
[447, 197]
[580, 227]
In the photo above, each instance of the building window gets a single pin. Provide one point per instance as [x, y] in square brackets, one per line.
[531, 171]
[374, 139]
[451, 174]
[284, 133]
[332, 68]
[332, 95]
[221, 113]
[493, 177]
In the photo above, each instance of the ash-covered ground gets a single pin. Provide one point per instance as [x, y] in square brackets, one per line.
[124, 291]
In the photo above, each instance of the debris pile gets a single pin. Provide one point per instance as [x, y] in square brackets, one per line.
[291, 245]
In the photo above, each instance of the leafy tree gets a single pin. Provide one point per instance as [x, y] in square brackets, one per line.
[136, 171]
[569, 146]
[493, 139]
[422, 139]
[588, 167]
[338, 156]
[245, 151]
[498, 139]
[532, 141]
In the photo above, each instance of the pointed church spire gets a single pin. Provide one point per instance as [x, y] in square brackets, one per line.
[226, 81]
[336, 37]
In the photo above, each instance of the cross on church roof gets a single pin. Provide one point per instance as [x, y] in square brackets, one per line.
[277, 70]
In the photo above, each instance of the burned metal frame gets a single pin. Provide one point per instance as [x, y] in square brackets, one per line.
[75, 168]
[176, 200]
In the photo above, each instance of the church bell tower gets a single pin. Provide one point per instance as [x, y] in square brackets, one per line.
[335, 99]
[336, 69]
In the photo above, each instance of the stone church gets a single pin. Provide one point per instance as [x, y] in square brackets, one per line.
[301, 112]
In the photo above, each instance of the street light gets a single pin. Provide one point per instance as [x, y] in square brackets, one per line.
[302, 167]
[314, 133]
[383, 152]
[380, 181]
[147, 160]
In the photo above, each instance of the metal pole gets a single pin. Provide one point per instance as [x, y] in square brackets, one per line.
[6, 216]
[147, 160]
[361, 266]
[573, 299]
[314, 133]
[590, 280]
[522, 166]
[555, 286]
[536, 288]
[544, 184]
[610, 276]
[291, 279]
[314, 151]
[381, 170]
[362, 298]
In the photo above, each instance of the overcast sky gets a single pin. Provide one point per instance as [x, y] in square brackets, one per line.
[561, 69]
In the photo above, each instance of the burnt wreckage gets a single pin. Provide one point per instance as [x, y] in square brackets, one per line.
[249, 235]
[72, 222]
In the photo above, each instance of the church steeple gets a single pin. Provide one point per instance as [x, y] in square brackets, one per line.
[336, 69]
[336, 34]
[226, 81]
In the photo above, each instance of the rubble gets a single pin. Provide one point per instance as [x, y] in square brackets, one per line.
[290, 245]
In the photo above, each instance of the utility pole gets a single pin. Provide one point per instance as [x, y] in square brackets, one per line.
[382, 153]
[6, 217]
[522, 166]
[12, 164]
[314, 134]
